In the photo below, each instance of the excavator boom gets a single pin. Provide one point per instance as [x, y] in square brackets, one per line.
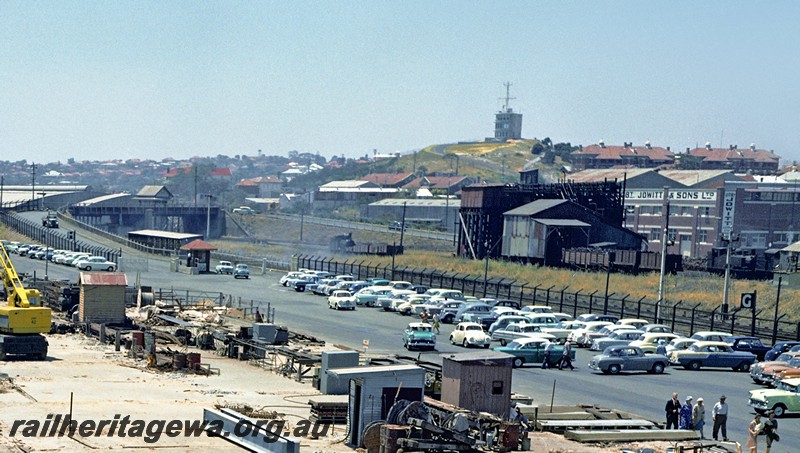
[23, 314]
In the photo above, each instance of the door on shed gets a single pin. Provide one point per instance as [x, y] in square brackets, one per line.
[391, 395]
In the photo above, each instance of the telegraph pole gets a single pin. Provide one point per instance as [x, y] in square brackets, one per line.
[664, 240]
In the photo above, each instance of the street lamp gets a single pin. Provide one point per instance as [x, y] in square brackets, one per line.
[486, 269]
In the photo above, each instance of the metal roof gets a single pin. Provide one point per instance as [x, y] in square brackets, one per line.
[478, 356]
[165, 234]
[421, 202]
[368, 370]
[103, 278]
[562, 222]
[102, 198]
[534, 207]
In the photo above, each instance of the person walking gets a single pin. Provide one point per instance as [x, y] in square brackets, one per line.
[436, 322]
[662, 347]
[686, 414]
[754, 429]
[548, 352]
[672, 410]
[699, 417]
[719, 414]
[424, 315]
[566, 360]
[771, 430]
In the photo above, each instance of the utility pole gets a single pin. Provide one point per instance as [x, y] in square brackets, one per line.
[728, 239]
[664, 240]
[208, 216]
[2, 182]
[33, 182]
[403, 224]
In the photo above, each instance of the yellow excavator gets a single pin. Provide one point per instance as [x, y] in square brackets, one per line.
[23, 320]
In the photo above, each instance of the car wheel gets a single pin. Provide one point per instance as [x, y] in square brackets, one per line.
[452, 340]
[779, 409]
[486, 346]
[502, 342]
[464, 343]
[88, 268]
[110, 269]
[694, 365]
[518, 362]
[658, 368]
[744, 366]
[613, 369]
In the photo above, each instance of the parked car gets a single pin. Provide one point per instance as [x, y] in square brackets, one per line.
[636, 323]
[779, 348]
[244, 210]
[449, 310]
[656, 328]
[616, 338]
[536, 309]
[749, 344]
[341, 300]
[369, 296]
[419, 335]
[628, 358]
[225, 267]
[649, 341]
[469, 308]
[284, 281]
[306, 282]
[531, 350]
[679, 344]
[507, 303]
[586, 317]
[98, 263]
[757, 371]
[712, 354]
[710, 336]
[582, 337]
[784, 398]
[241, 271]
[516, 331]
[470, 334]
[505, 320]
[770, 373]
[397, 226]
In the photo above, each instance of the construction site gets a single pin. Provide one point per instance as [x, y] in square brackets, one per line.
[188, 371]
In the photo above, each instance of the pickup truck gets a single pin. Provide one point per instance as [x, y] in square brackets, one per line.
[244, 210]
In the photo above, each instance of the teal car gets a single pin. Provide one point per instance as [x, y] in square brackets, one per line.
[419, 335]
[531, 350]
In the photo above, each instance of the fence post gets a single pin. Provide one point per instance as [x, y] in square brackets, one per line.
[591, 300]
[622, 306]
[639, 308]
[691, 325]
[575, 306]
[548, 294]
[674, 310]
[605, 304]
[535, 288]
[522, 293]
[713, 315]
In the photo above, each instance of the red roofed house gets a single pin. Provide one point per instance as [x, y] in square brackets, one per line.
[449, 185]
[757, 161]
[262, 187]
[602, 156]
[389, 179]
[102, 297]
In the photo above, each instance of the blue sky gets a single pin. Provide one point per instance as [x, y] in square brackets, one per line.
[120, 79]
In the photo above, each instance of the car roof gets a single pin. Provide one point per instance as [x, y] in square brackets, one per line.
[711, 343]
[418, 324]
[712, 332]
[469, 324]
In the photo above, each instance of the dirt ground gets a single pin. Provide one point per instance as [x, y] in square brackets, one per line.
[104, 383]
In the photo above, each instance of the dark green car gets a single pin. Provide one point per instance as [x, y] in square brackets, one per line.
[531, 350]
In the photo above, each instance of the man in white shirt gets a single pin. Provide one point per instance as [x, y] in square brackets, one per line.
[719, 413]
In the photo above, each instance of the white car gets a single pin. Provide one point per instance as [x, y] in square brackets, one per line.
[224, 267]
[244, 210]
[583, 336]
[341, 300]
[98, 263]
[470, 334]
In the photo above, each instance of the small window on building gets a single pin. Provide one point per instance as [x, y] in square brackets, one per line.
[646, 210]
[655, 234]
[705, 211]
[686, 210]
[497, 388]
[657, 210]
[672, 234]
[702, 235]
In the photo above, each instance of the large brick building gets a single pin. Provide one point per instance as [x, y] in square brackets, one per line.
[608, 156]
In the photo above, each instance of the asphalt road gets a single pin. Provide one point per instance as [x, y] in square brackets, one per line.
[643, 394]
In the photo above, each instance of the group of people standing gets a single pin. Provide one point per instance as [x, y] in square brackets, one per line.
[564, 361]
[692, 416]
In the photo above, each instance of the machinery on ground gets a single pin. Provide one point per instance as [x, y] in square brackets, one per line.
[23, 319]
